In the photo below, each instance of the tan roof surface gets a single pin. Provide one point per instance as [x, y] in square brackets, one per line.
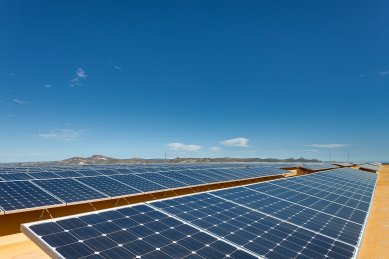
[18, 246]
[375, 242]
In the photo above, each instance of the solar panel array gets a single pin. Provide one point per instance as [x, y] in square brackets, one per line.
[68, 185]
[314, 216]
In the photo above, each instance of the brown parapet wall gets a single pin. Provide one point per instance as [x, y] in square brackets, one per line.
[10, 223]
[375, 240]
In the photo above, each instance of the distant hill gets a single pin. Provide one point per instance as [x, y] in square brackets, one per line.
[100, 159]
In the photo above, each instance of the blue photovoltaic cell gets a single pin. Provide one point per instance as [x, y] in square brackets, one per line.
[23, 195]
[110, 187]
[127, 233]
[138, 183]
[69, 190]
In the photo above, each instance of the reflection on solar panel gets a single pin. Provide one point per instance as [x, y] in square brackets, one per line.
[69, 190]
[20, 195]
[320, 215]
[138, 231]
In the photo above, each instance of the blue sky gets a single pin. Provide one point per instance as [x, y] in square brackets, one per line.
[194, 79]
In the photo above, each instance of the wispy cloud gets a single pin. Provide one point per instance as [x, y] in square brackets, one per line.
[80, 76]
[215, 149]
[81, 73]
[183, 147]
[236, 142]
[118, 67]
[18, 101]
[362, 75]
[328, 145]
[63, 134]
[383, 73]
[48, 85]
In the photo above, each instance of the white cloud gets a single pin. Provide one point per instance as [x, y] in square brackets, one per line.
[18, 101]
[63, 134]
[215, 149]
[77, 81]
[328, 145]
[383, 73]
[236, 142]
[118, 68]
[81, 73]
[183, 147]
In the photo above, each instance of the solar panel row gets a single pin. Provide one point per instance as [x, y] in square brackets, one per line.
[75, 187]
[259, 220]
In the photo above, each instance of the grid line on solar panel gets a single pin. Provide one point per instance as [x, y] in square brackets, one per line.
[128, 232]
[256, 231]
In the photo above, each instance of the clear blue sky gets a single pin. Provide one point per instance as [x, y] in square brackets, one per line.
[194, 78]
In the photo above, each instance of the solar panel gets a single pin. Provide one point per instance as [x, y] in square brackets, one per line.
[319, 166]
[138, 231]
[16, 176]
[68, 174]
[69, 190]
[108, 186]
[44, 175]
[182, 177]
[161, 179]
[20, 195]
[89, 173]
[139, 183]
[259, 232]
